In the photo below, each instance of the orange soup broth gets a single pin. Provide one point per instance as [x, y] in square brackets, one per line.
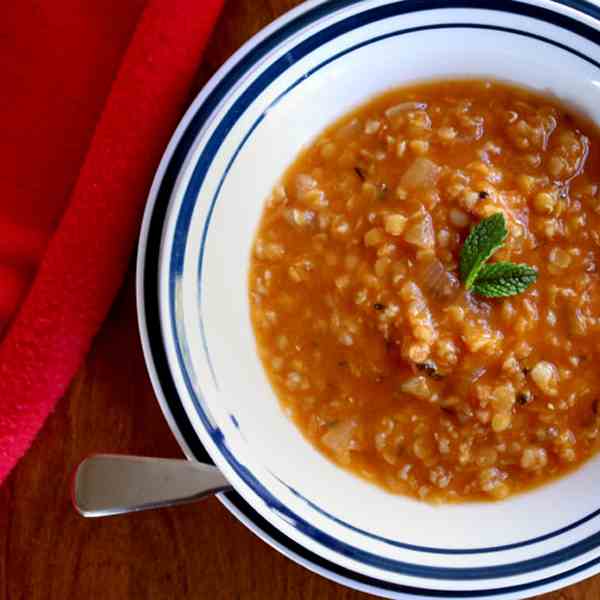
[373, 346]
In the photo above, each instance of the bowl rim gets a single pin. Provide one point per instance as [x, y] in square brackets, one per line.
[172, 267]
[163, 176]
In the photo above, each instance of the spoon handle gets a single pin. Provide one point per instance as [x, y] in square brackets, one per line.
[112, 484]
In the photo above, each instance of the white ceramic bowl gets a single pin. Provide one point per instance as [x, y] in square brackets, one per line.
[242, 131]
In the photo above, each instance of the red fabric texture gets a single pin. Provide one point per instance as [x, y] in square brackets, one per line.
[91, 93]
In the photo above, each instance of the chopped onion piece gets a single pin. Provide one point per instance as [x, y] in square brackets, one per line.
[340, 439]
[421, 233]
[348, 130]
[422, 173]
[417, 386]
[392, 111]
[438, 281]
[304, 184]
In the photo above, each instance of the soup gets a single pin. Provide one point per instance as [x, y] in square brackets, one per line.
[375, 347]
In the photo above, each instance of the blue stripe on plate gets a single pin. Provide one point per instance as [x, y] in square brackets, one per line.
[202, 166]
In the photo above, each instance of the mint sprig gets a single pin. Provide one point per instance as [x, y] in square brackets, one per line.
[493, 280]
[501, 279]
[485, 238]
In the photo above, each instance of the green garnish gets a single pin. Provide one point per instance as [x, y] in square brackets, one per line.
[504, 279]
[497, 279]
[485, 238]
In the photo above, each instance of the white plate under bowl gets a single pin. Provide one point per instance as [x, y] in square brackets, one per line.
[270, 99]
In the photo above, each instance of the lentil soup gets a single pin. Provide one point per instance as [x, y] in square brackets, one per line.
[370, 340]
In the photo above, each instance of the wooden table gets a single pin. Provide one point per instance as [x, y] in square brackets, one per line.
[201, 551]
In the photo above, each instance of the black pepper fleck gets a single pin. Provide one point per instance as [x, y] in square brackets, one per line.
[524, 398]
[360, 173]
[430, 369]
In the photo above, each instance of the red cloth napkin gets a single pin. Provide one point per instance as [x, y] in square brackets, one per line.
[91, 92]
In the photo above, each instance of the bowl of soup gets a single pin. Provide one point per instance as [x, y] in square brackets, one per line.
[369, 290]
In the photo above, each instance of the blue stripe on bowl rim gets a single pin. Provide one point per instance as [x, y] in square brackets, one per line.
[190, 197]
[226, 126]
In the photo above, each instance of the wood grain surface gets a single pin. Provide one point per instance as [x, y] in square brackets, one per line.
[199, 551]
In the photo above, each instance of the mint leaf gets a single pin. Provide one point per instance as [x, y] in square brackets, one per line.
[501, 279]
[485, 238]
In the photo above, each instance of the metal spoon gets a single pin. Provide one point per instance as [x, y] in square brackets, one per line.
[112, 484]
